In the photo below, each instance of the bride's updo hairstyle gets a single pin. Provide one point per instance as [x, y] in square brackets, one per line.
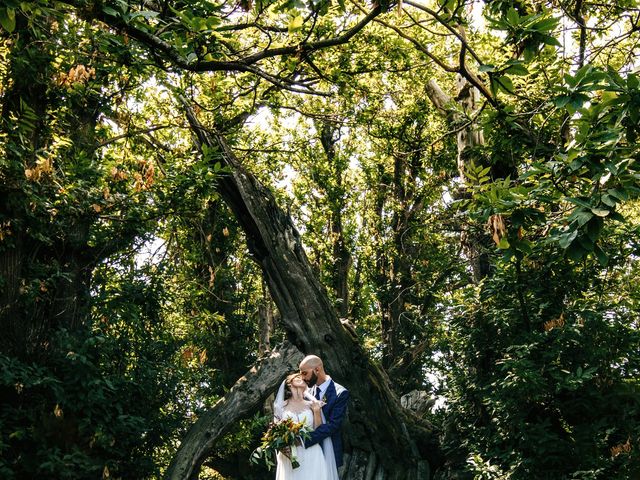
[287, 385]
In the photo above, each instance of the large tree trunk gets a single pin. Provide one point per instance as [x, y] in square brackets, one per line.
[23, 98]
[266, 321]
[247, 395]
[335, 192]
[377, 421]
[474, 242]
[58, 264]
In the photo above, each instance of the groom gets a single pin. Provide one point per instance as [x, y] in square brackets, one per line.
[335, 398]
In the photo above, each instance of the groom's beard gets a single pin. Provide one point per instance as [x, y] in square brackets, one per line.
[313, 380]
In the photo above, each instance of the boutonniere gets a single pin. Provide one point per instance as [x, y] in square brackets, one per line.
[324, 399]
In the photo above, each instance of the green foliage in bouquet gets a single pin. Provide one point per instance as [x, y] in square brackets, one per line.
[280, 435]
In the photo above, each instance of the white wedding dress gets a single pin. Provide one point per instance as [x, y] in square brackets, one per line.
[311, 460]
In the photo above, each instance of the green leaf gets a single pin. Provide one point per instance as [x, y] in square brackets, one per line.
[594, 227]
[609, 200]
[585, 242]
[578, 201]
[576, 101]
[603, 258]
[601, 212]
[575, 251]
[617, 217]
[504, 243]
[581, 216]
[505, 84]
[561, 100]
[8, 19]
[546, 25]
[566, 239]
[110, 11]
[549, 40]
[517, 69]
[620, 194]
[524, 246]
[582, 73]
[145, 14]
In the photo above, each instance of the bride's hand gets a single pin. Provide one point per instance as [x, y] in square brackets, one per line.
[316, 405]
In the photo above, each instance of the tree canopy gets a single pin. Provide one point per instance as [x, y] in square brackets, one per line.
[440, 198]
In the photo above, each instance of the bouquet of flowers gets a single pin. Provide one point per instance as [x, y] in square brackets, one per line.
[280, 435]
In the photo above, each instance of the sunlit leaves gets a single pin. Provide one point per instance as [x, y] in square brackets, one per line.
[552, 194]
[527, 33]
[295, 24]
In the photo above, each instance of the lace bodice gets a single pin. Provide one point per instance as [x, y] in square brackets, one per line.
[305, 416]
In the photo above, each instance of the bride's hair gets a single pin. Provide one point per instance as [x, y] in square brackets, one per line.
[287, 385]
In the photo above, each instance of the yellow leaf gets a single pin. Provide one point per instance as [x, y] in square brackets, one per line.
[203, 356]
[296, 23]
[498, 229]
[503, 243]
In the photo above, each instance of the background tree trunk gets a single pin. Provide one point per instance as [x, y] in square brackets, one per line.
[329, 135]
[377, 421]
[247, 395]
[470, 137]
[265, 317]
[58, 261]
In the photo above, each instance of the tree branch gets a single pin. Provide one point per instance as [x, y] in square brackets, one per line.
[445, 24]
[245, 64]
[246, 396]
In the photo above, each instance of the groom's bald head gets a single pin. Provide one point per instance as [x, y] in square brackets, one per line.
[312, 370]
[311, 361]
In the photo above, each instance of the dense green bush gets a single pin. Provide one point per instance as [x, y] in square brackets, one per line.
[97, 402]
[544, 376]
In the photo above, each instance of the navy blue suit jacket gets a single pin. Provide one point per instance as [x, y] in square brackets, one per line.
[335, 408]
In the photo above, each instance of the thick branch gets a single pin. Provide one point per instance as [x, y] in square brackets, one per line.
[242, 64]
[307, 313]
[583, 32]
[246, 396]
[439, 99]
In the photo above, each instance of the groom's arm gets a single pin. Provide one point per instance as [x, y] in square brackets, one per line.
[333, 422]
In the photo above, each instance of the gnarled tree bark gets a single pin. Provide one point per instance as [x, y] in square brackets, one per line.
[377, 421]
[248, 393]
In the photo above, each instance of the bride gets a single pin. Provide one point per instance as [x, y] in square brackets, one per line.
[316, 462]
